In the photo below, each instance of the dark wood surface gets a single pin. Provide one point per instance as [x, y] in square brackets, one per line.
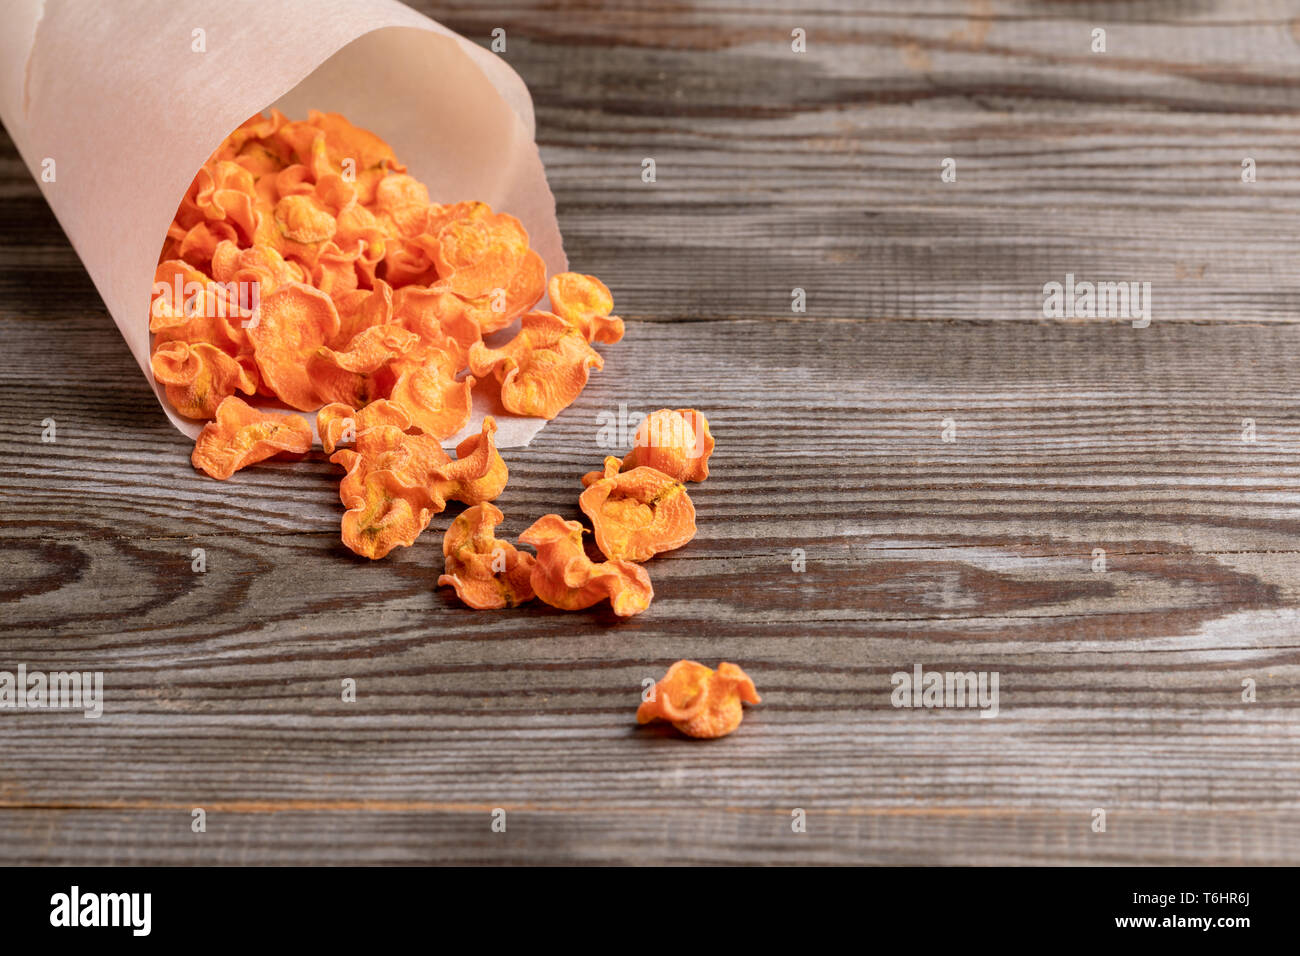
[1120, 690]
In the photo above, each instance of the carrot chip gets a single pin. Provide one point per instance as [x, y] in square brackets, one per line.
[199, 377]
[485, 572]
[542, 369]
[637, 514]
[585, 303]
[295, 320]
[565, 577]
[678, 443]
[699, 701]
[242, 436]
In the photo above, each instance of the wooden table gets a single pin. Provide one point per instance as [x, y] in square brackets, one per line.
[1120, 689]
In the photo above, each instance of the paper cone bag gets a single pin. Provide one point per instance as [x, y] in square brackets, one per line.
[115, 106]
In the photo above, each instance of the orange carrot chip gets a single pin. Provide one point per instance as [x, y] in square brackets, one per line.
[475, 256]
[293, 322]
[226, 192]
[188, 307]
[637, 514]
[362, 309]
[542, 369]
[304, 219]
[585, 303]
[479, 472]
[565, 577]
[699, 701]
[384, 510]
[485, 572]
[678, 443]
[242, 436]
[353, 376]
[404, 201]
[199, 377]
[438, 317]
[438, 404]
[338, 424]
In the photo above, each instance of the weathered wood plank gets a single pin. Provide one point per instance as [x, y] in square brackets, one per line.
[432, 834]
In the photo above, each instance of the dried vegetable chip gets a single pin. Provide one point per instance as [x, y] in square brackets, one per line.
[639, 513]
[485, 572]
[398, 479]
[678, 443]
[294, 321]
[199, 377]
[243, 435]
[699, 701]
[542, 369]
[479, 472]
[585, 303]
[565, 577]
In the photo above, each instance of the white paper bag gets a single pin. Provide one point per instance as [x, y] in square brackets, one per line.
[114, 106]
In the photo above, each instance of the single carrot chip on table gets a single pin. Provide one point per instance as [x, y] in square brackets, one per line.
[699, 701]
[479, 472]
[243, 435]
[678, 443]
[639, 513]
[566, 578]
[486, 573]
[383, 509]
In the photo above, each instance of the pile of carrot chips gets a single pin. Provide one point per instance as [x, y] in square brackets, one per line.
[306, 271]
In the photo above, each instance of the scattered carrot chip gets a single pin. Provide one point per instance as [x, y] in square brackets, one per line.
[242, 436]
[678, 443]
[479, 472]
[485, 572]
[542, 369]
[384, 510]
[565, 577]
[639, 513]
[699, 701]
[338, 424]
[585, 303]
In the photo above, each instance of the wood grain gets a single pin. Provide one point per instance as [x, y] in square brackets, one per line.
[1120, 689]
